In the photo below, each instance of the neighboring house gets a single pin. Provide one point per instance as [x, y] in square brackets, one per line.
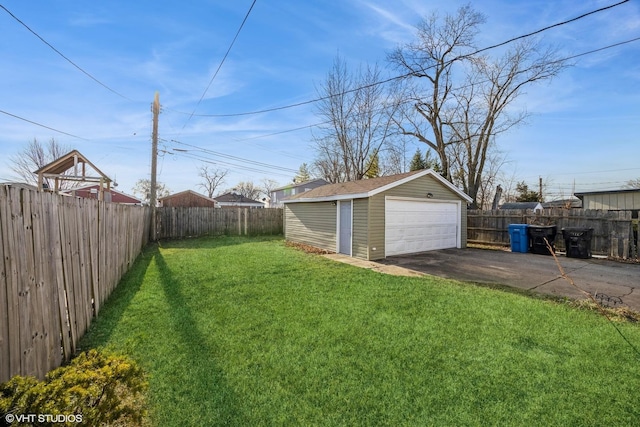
[535, 206]
[615, 200]
[563, 204]
[374, 218]
[187, 199]
[282, 193]
[111, 195]
[228, 200]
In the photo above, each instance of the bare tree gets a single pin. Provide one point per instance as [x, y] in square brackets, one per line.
[490, 179]
[328, 164]
[460, 124]
[633, 183]
[248, 189]
[508, 185]
[36, 155]
[143, 189]
[268, 185]
[211, 179]
[395, 159]
[426, 107]
[357, 124]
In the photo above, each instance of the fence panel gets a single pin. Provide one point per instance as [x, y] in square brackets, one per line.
[612, 230]
[5, 316]
[181, 222]
[54, 275]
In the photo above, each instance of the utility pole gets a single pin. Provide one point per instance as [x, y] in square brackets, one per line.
[154, 166]
[540, 193]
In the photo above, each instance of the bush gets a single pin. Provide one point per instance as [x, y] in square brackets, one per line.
[96, 388]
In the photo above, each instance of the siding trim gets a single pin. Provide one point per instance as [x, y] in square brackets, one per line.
[382, 189]
[339, 224]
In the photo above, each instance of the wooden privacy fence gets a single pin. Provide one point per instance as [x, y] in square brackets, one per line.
[177, 222]
[60, 258]
[613, 231]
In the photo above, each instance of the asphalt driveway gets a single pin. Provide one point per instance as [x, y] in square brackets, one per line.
[614, 284]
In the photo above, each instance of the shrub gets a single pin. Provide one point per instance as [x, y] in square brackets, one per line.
[100, 388]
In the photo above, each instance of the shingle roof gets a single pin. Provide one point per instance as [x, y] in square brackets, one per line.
[171, 196]
[619, 191]
[368, 187]
[520, 205]
[236, 198]
[563, 203]
[352, 187]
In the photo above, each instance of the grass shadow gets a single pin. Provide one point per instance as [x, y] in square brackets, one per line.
[113, 309]
[208, 242]
[198, 382]
[151, 321]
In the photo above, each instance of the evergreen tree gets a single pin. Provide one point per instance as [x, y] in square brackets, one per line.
[432, 162]
[373, 166]
[524, 194]
[303, 174]
[417, 161]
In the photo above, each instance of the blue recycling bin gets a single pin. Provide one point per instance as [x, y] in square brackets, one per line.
[519, 237]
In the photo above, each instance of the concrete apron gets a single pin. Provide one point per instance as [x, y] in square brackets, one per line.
[394, 270]
[612, 283]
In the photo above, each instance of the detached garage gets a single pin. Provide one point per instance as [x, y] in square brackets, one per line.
[375, 218]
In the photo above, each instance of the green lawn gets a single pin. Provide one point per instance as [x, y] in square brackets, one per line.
[248, 332]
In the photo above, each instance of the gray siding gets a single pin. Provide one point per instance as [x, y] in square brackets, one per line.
[418, 188]
[360, 245]
[312, 224]
[612, 201]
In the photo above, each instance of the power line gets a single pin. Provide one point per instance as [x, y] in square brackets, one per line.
[327, 122]
[283, 131]
[595, 172]
[602, 48]
[411, 100]
[577, 18]
[311, 101]
[62, 55]
[41, 125]
[237, 167]
[221, 62]
[230, 157]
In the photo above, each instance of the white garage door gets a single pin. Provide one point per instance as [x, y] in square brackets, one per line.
[418, 226]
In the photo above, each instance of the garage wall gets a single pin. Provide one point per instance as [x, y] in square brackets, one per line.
[376, 227]
[417, 188]
[360, 245]
[312, 224]
[612, 201]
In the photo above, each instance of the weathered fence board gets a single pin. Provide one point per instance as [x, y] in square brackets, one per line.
[60, 258]
[179, 222]
[612, 230]
[4, 288]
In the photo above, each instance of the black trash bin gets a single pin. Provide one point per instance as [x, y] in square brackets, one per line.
[577, 241]
[537, 236]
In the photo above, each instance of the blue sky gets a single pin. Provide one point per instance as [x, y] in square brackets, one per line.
[582, 133]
